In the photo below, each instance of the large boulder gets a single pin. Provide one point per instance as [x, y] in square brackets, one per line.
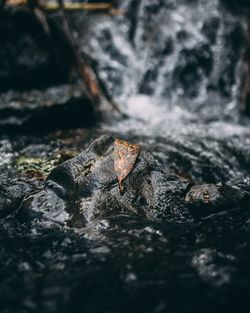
[86, 187]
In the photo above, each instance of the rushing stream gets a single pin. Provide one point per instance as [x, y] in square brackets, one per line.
[178, 239]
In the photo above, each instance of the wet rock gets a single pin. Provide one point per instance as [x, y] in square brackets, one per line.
[57, 107]
[26, 161]
[210, 198]
[12, 191]
[86, 187]
[210, 153]
[206, 262]
[30, 57]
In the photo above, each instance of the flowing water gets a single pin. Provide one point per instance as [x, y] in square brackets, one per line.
[175, 68]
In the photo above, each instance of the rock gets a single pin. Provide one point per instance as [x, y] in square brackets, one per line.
[240, 7]
[29, 56]
[86, 187]
[12, 191]
[210, 198]
[56, 107]
[207, 153]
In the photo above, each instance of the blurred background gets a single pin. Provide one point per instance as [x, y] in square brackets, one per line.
[190, 55]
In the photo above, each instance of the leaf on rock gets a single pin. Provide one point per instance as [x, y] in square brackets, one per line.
[125, 156]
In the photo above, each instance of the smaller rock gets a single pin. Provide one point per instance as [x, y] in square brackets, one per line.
[12, 191]
[210, 198]
[58, 107]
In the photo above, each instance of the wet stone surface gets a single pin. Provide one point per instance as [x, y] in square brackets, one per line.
[86, 188]
[209, 198]
[110, 240]
[38, 110]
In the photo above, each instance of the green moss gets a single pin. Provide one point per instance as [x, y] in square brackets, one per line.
[41, 167]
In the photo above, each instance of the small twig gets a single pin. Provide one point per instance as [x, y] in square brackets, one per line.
[34, 5]
[246, 74]
[53, 5]
[79, 6]
[245, 85]
[82, 67]
[35, 8]
[108, 96]
[117, 8]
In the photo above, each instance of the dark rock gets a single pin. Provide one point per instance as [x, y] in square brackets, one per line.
[85, 188]
[204, 153]
[29, 56]
[56, 107]
[241, 7]
[209, 198]
[12, 191]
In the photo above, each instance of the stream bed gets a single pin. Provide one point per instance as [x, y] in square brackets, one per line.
[177, 239]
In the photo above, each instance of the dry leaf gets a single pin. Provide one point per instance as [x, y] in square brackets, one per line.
[125, 156]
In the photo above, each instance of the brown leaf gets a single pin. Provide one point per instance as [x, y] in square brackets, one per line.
[125, 156]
